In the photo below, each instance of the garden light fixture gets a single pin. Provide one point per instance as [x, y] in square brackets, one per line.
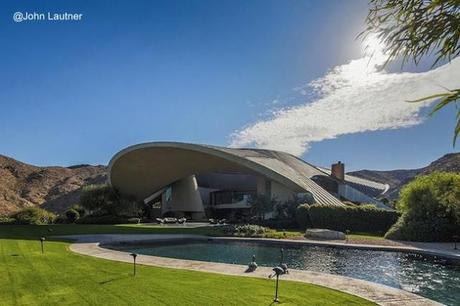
[134, 255]
[42, 241]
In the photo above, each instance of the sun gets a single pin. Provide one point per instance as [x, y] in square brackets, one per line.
[374, 48]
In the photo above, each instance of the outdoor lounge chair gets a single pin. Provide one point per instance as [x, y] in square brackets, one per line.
[170, 220]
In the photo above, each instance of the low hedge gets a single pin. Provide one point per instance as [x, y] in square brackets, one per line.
[105, 219]
[365, 218]
[302, 216]
[244, 230]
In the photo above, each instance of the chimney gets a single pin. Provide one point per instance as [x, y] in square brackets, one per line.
[338, 171]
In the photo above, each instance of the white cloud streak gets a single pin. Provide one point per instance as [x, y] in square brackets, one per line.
[352, 98]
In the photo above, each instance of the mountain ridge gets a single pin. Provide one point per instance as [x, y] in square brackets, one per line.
[398, 178]
[51, 187]
[57, 188]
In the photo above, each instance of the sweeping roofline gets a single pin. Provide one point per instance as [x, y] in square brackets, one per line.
[285, 175]
[213, 150]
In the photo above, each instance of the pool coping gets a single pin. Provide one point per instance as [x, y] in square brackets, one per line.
[92, 245]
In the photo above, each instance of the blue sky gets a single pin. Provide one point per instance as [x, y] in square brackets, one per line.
[194, 71]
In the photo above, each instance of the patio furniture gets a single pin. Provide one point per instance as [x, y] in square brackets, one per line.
[170, 220]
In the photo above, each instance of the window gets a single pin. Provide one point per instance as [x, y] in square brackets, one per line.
[168, 194]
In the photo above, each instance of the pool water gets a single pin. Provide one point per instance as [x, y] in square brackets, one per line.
[430, 277]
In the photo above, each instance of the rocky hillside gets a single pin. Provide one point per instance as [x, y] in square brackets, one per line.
[398, 178]
[53, 188]
[57, 188]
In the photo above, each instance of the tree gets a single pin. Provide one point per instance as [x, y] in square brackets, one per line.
[261, 205]
[287, 209]
[413, 29]
[104, 200]
[430, 209]
[97, 198]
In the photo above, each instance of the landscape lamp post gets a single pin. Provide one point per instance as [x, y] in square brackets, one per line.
[455, 237]
[42, 241]
[134, 255]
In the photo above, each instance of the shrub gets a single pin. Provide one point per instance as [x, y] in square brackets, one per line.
[7, 220]
[246, 230]
[287, 210]
[365, 218]
[61, 219]
[34, 215]
[430, 209]
[72, 215]
[104, 200]
[302, 216]
[81, 211]
[278, 223]
[134, 220]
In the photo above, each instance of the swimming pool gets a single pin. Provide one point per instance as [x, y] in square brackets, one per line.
[431, 277]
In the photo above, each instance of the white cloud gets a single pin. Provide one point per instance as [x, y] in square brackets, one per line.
[352, 98]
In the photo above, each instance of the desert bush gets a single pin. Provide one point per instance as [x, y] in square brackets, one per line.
[81, 211]
[72, 215]
[430, 209]
[34, 215]
[364, 218]
[6, 220]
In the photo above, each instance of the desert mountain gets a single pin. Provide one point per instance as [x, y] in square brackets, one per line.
[398, 178]
[53, 188]
[57, 188]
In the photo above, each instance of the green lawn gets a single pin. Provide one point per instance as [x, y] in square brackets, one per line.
[365, 236]
[60, 277]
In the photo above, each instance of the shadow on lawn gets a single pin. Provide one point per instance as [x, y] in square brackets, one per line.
[113, 280]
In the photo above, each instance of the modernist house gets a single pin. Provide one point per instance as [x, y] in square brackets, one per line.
[189, 179]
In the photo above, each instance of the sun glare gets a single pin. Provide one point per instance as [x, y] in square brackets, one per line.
[374, 48]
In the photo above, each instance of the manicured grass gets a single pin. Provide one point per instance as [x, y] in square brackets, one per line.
[60, 277]
[36, 231]
[365, 236]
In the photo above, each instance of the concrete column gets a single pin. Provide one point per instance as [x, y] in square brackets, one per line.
[185, 197]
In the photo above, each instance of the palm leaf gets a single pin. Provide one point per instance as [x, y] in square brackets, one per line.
[447, 98]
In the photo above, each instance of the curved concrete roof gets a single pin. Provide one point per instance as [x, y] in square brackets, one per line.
[142, 169]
